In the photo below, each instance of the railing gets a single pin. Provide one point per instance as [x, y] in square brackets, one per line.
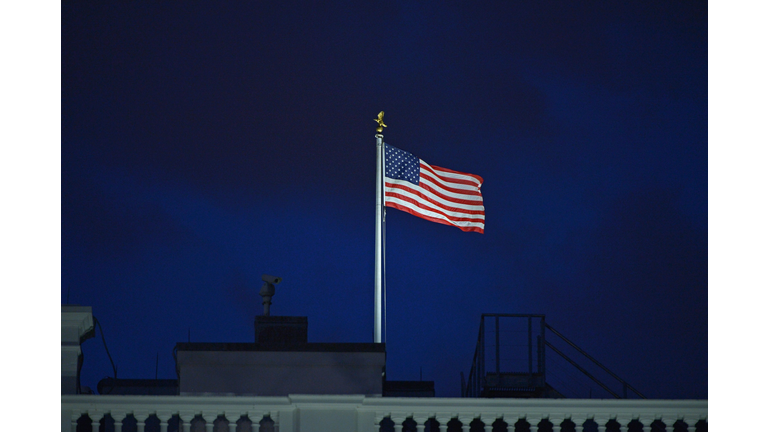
[527, 326]
[171, 413]
[530, 375]
[300, 413]
[625, 385]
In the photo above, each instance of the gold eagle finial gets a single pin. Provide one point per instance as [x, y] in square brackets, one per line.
[380, 121]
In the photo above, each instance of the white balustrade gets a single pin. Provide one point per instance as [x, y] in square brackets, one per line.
[311, 411]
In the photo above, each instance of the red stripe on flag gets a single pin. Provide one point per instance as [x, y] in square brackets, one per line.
[418, 191]
[393, 194]
[479, 180]
[427, 175]
[426, 211]
[440, 221]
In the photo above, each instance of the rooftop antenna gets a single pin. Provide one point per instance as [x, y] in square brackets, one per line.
[268, 290]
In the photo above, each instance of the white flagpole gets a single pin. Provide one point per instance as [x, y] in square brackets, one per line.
[379, 251]
[379, 228]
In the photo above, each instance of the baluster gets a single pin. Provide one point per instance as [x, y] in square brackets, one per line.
[681, 425]
[623, 423]
[118, 417]
[443, 420]
[209, 417]
[555, 424]
[164, 417]
[533, 424]
[95, 418]
[232, 419]
[141, 419]
[74, 418]
[465, 421]
[600, 421]
[186, 420]
[646, 422]
[579, 423]
[398, 421]
[377, 419]
[421, 422]
[488, 422]
[251, 415]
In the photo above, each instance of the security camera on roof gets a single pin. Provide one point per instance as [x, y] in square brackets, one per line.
[271, 279]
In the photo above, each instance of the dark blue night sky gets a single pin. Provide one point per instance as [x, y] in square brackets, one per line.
[204, 144]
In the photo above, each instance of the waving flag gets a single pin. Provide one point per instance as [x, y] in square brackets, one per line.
[432, 193]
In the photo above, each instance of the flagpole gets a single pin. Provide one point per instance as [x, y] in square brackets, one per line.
[379, 228]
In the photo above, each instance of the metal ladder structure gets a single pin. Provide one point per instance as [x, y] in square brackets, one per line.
[518, 379]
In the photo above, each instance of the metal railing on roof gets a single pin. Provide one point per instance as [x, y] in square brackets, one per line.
[482, 383]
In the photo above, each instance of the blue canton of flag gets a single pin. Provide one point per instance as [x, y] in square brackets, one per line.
[401, 165]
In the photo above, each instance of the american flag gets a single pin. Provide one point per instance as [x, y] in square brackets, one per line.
[432, 193]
